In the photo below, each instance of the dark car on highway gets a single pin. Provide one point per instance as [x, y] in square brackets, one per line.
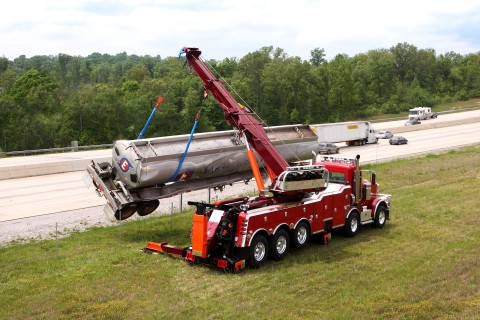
[398, 140]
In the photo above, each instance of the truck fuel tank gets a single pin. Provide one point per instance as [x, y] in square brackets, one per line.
[156, 161]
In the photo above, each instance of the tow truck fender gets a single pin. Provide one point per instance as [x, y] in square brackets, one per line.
[352, 209]
[279, 226]
[377, 203]
[261, 230]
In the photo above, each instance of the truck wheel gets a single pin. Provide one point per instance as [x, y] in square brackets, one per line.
[258, 252]
[300, 235]
[104, 165]
[380, 216]
[352, 224]
[279, 244]
[125, 213]
[147, 207]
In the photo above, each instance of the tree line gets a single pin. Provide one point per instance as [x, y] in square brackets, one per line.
[49, 101]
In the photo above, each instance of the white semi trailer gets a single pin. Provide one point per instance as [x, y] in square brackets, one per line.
[353, 133]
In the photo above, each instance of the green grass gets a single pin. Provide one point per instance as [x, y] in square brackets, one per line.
[425, 264]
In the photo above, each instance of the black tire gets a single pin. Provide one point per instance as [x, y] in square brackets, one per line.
[352, 224]
[258, 251]
[125, 213]
[279, 245]
[147, 207]
[301, 234]
[104, 165]
[380, 217]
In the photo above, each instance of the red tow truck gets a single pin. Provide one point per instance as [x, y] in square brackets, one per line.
[301, 202]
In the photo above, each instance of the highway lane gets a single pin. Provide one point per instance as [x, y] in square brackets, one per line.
[41, 195]
[419, 142]
[447, 117]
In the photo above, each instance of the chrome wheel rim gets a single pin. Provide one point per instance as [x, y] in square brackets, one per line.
[281, 244]
[302, 235]
[381, 217]
[354, 224]
[259, 251]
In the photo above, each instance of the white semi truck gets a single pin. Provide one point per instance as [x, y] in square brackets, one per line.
[353, 133]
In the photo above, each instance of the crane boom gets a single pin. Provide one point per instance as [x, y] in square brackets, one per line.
[237, 115]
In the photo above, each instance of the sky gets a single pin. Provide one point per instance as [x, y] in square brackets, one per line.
[232, 29]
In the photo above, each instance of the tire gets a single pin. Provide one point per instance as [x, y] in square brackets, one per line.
[279, 245]
[145, 208]
[104, 165]
[352, 224]
[125, 213]
[301, 234]
[380, 217]
[258, 251]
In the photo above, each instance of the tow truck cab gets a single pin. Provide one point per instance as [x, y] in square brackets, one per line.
[364, 184]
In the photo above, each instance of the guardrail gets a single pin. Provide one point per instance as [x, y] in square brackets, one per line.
[55, 150]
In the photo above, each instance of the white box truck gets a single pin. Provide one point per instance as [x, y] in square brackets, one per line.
[353, 133]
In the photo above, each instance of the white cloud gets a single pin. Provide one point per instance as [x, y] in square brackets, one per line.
[227, 29]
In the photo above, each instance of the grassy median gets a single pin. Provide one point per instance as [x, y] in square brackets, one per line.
[425, 264]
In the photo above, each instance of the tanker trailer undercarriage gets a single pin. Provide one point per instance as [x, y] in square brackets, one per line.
[144, 171]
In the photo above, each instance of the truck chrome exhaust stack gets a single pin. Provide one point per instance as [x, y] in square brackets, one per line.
[357, 178]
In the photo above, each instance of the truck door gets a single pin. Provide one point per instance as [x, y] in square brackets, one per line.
[340, 207]
[327, 207]
[318, 216]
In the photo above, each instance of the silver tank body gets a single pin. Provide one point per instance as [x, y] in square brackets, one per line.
[153, 162]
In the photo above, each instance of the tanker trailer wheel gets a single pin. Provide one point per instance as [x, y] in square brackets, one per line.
[300, 235]
[380, 217]
[258, 251]
[352, 224]
[279, 244]
[125, 213]
[147, 207]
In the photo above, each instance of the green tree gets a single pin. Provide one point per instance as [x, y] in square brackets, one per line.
[317, 57]
[404, 61]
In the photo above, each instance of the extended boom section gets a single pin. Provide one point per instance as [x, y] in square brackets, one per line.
[237, 115]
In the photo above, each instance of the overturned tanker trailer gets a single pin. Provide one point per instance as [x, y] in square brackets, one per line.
[143, 171]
